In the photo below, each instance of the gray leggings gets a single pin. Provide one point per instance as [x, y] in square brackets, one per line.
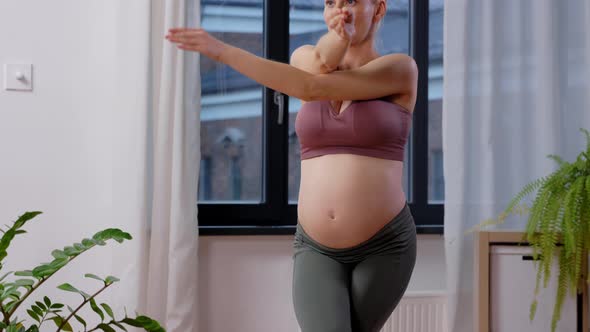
[353, 289]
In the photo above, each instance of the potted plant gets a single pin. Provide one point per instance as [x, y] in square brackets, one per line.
[47, 310]
[558, 225]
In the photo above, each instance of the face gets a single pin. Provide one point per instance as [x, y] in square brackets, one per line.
[365, 13]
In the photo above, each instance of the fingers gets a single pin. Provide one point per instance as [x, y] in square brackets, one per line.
[184, 35]
[339, 18]
[182, 32]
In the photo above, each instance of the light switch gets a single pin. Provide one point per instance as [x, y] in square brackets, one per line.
[18, 76]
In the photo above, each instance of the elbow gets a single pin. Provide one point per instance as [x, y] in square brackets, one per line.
[323, 66]
[326, 68]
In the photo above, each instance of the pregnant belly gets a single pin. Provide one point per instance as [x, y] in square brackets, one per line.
[345, 199]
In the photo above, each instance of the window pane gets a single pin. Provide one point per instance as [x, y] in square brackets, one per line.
[306, 26]
[231, 107]
[435, 83]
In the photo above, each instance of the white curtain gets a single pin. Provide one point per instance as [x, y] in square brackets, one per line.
[515, 90]
[159, 267]
[173, 167]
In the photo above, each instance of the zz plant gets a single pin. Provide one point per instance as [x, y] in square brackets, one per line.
[558, 225]
[14, 293]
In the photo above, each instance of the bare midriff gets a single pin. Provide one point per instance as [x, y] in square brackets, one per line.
[344, 199]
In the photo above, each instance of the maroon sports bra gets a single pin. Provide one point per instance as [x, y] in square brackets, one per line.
[374, 128]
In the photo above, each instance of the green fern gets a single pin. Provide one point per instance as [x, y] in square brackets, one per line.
[558, 225]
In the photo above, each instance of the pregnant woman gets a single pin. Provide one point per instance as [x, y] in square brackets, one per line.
[355, 241]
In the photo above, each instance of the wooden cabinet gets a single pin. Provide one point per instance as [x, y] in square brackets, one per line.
[504, 284]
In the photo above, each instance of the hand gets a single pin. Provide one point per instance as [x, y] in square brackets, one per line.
[342, 22]
[197, 40]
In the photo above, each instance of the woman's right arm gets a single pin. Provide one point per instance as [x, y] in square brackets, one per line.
[331, 48]
[329, 51]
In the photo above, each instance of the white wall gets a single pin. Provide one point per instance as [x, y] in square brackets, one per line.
[245, 281]
[60, 145]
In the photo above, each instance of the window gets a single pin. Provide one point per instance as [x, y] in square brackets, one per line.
[437, 187]
[435, 89]
[252, 188]
[205, 177]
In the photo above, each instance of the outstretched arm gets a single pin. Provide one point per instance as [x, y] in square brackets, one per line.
[276, 75]
[273, 74]
[393, 73]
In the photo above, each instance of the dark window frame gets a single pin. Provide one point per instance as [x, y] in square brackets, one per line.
[275, 216]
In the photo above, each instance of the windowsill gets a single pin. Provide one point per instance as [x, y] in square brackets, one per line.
[287, 230]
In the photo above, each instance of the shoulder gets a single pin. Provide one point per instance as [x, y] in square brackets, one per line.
[397, 64]
[401, 71]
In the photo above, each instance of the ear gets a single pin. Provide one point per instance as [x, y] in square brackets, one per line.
[380, 11]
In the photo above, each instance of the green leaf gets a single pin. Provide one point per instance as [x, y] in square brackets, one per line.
[9, 235]
[25, 273]
[15, 295]
[71, 251]
[26, 217]
[37, 310]
[108, 310]
[111, 233]
[43, 271]
[59, 254]
[70, 288]
[96, 309]
[58, 320]
[47, 301]
[145, 322]
[9, 290]
[59, 263]
[81, 320]
[93, 276]
[24, 282]
[56, 306]
[33, 328]
[132, 322]
[105, 327]
[110, 279]
[41, 305]
[33, 315]
[119, 326]
[11, 305]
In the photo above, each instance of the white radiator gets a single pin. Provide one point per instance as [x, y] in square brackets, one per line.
[419, 312]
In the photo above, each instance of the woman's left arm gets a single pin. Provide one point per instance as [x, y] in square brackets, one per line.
[276, 75]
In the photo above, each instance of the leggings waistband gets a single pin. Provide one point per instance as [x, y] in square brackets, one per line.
[395, 235]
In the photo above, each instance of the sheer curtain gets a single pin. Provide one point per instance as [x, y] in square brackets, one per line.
[515, 90]
[173, 166]
[160, 266]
